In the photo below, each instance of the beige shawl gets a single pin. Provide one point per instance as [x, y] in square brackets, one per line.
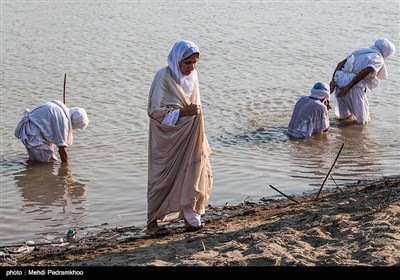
[179, 171]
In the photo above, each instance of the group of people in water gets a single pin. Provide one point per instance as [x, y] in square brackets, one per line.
[180, 177]
[360, 71]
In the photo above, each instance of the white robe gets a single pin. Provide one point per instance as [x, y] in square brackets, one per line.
[309, 116]
[45, 126]
[355, 103]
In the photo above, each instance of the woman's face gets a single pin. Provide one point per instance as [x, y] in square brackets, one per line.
[189, 64]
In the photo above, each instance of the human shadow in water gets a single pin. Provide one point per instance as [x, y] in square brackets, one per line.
[39, 183]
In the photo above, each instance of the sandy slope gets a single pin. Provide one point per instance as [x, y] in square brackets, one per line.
[358, 225]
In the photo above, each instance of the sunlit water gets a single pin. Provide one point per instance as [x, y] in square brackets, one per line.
[257, 59]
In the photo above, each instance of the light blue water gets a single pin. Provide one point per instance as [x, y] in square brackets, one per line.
[257, 58]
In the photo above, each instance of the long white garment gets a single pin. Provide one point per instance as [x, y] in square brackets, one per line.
[356, 63]
[355, 103]
[309, 116]
[45, 126]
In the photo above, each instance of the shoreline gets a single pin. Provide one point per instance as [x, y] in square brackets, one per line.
[355, 225]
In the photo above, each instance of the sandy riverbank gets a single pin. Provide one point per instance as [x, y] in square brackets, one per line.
[356, 225]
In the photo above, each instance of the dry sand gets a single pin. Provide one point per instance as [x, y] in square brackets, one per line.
[356, 225]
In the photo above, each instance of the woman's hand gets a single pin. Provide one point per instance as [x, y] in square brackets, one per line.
[332, 86]
[62, 151]
[342, 91]
[191, 110]
[328, 106]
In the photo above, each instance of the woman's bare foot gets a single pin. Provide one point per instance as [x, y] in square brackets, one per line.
[154, 230]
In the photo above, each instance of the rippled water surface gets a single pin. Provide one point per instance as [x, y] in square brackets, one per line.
[257, 58]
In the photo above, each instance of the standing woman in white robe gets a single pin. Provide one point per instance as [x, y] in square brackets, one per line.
[179, 172]
[362, 69]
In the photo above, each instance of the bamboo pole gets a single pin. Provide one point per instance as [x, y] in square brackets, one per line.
[327, 175]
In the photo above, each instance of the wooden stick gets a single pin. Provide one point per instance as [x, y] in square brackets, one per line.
[65, 81]
[336, 184]
[283, 194]
[204, 247]
[327, 175]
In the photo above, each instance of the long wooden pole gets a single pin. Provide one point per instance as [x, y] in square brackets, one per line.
[327, 175]
[65, 82]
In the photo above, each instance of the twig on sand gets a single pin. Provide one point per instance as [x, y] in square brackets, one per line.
[283, 194]
[204, 247]
[327, 175]
[390, 193]
[176, 250]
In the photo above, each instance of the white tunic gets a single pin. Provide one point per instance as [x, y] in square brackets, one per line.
[309, 116]
[45, 126]
[355, 103]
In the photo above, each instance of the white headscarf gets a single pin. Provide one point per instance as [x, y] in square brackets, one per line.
[320, 90]
[79, 118]
[180, 51]
[384, 48]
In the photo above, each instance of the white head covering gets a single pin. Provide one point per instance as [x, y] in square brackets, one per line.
[320, 90]
[79, 118]
[384, 48]
[180, 51]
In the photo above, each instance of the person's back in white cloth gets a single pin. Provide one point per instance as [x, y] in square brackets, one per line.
[48, 125]
[310, 114]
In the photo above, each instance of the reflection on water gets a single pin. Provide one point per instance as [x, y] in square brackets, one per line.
[50, 199]
[314, 156]
[363, 157]
[38, 183]
[310, 158]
